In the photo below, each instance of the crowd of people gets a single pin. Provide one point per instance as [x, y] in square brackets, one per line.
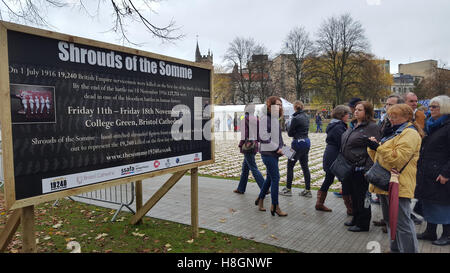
[408, 143]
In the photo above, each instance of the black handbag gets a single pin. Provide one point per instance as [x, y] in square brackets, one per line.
[380, 177]
[341, 168]
[249, 146]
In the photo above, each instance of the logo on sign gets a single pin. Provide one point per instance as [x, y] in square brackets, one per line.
[128, 171]
[196, 158]
[167, 163]
[177, 160]
[58, 184]
[156, 164]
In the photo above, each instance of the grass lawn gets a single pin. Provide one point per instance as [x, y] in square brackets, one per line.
[92, 228]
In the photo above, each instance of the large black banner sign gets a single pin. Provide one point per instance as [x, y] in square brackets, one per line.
[82, 115]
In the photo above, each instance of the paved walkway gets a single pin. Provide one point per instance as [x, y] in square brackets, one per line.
[304, 229]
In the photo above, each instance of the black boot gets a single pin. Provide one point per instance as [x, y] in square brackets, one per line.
[445, 237]
[429, 233]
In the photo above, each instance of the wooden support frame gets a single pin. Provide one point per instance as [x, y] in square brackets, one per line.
[157, 196]
[139, 198]
[26, 217]
[28, 236]
[194, 202]
[10, 228]
[141, 210]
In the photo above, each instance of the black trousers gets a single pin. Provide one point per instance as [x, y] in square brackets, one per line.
[358, 187]
[302, 157]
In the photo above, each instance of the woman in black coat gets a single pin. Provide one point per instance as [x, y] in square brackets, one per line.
[354, 149]
[433, 172]
[337, 126]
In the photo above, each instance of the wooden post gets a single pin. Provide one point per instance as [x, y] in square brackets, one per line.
[139, 198]
[194, 202]
[28, 236]
[10, 228]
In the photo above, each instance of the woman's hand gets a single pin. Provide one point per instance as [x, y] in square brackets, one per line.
[441, 179]
[280, 152]
[372, 143]
[373, 139]
[394, 175]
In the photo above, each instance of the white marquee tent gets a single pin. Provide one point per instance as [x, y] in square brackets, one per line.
[224, 115]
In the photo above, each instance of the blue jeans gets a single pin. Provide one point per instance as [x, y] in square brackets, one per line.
[273, 178]
[319, 127]
[248, 165]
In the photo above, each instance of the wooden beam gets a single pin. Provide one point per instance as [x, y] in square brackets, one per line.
[139, 201]
[28, 236]
[157, 196]
[194, 202]
[10, 228]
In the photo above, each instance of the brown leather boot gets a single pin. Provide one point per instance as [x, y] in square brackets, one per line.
[321, 196]
[277, 210]
[348, 204]
[260, 203]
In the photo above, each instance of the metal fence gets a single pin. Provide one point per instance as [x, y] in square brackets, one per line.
[121, 195]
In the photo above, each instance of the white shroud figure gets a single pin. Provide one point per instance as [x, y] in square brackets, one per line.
[31, 101]
[36, 101]
[47, 104]
[42, 104]
[24, 103]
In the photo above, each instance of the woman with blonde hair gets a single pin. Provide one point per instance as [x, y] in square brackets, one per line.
[433, 172]
[398, 151]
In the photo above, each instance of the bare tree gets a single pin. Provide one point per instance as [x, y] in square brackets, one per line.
[239, 55]
[341, 43]
[34, 12]
[261, 65]
[300, 50]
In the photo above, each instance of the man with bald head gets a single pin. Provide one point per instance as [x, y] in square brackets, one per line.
[419, 116]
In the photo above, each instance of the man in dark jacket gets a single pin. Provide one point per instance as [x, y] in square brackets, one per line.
[385, 123]
[298, 130]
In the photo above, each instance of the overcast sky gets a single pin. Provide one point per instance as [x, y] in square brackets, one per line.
[401, 31]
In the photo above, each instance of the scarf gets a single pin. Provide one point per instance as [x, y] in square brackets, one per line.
[389, 131]
[396, 130]
[432, 124]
